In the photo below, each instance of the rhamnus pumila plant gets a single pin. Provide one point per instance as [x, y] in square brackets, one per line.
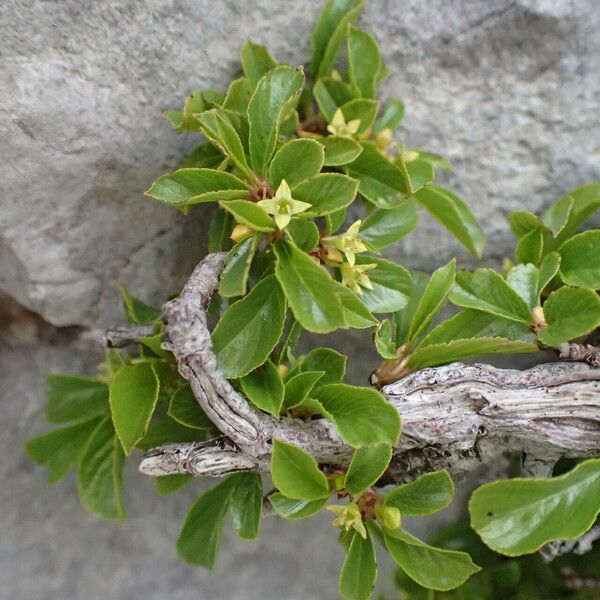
[287, 156]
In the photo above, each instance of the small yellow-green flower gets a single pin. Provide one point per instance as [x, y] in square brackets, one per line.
[339, 127]
[355, 277]
[348, 517]
[283, 206]
[349, 243]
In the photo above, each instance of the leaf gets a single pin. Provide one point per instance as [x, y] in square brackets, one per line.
[432, 300]
[234, 279]
[380, 182]
[238, 95]
[219, 231]
[264, 388]
[298, 387]
[205, 155]
[250, 214]
[59, 450]
[519, 516]
[328, 360]
[524, 279]
[327, 193]
[296, 161]
[304, 234]
[138, 312]
[391, 285]
[330, 94]
[100, 472]
[580, 260]
[418, 173]
[246, 505]
[455, 215]
[548, 269]
[256, 62]
[359, 572]
[557, 216]
[184, 408]
[364, 61]
[167, 484]
[530, 247]
[356, 313]
[334, 221]
[360, 109]
[73, 398]
[403, 318]
[274, 96]
[308, 288]
[487, 291]
[569, 313]
[382, 228]
[290, 508]
[522, 222]
[200, 537]
[384, 342]
[430, 567]
[330, 32]
[249, 329]
[362, 415]
[187, 187]
[367, 466]
[391, 117]
[167, 431]
[339, 150]
[296, 474]
[428, 494]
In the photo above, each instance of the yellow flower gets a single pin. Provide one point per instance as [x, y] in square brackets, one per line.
[339, 127]
[283, 206]
[349, 243]
[355, 277]
[348, 517]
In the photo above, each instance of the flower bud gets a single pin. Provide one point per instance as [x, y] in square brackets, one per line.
[384, 138]
[282, 370]
[388, 516]
[241, 232]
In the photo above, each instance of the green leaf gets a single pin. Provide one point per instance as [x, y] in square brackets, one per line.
[219, 231]
[73, 398]
[166, 431]
[328, 360]
[364, 62]
[187, 187]
[205, 155]
[234, 279]
[403, 318]
[519, 516]
[356, 313]
[362, 415]
[334, 221]
[367, 466]
[418, 173]
[580, 260]
[59, 450]
[487, 291]
[391, 117]
[382, 228]
[167, 484]
[557, 216]
[250, 214]
[380, 182]
[548, 269]
[238, 95]
[391, 285]
[296, 161]
[256, 62]
[184, 408]
[132, 396]
[200, 537]
[428, 494]
[430, 567]
[264, 388]
[308, 288]
[362, 109]
[138, 312]
[432, 300]
[524, 279]
[339, 150]
[298, 387]
[359, 571]
[246, 505]
[569, 313]
[522, 222]
[296, 474]
[530, 247]
[304, 234]
[329, 34]
[330, 94]
[384, 341]
[100, 472]
[455, 215]
[249, 329]
[290, 508]
[274, 96]
[327, 193]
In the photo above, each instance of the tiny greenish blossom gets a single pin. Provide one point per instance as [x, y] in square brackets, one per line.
[283, 207]
[348, 517]
[349, 243]
[339, 127]
[355, 277]
[388, 517]
[407, 155]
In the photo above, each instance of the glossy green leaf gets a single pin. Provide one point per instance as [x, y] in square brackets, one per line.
[184, 408]
[356, 313]
[361, 109]
[246, 505]
[530, 247]
[249, 329]
[362, 415]
[580, 260]
[167, 430]
[136, 311]
[219, 231]
[205, 155]
[547, 271]
[367, 466]
[100, 472]
[296, 161]
[417, 173]
[328, 360]
[364, 61]
[557, 216]
[304, 234]
[382, 228]
[335, 220]
[238, 95]
[187, 187]
[359, 571]
[264, 388]
[403, 318]
[59, 450]
[524, 279]
[308, 288]
[296, 474]
[391, 116]
[487, 291]
[274, 96]
[298, 387]
[133, 394]
[385, 343]
[519, 516]
[291, 508]
[327, 193]
[522, 222]
[428, 494]
[340, 150]
[234, 279]
[330, 94]
[250, 214]
[74, 398]
[167, 484]
[256, 61]
[455, 215]
[569, 313]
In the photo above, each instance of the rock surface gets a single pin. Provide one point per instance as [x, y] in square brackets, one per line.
[507, 90]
